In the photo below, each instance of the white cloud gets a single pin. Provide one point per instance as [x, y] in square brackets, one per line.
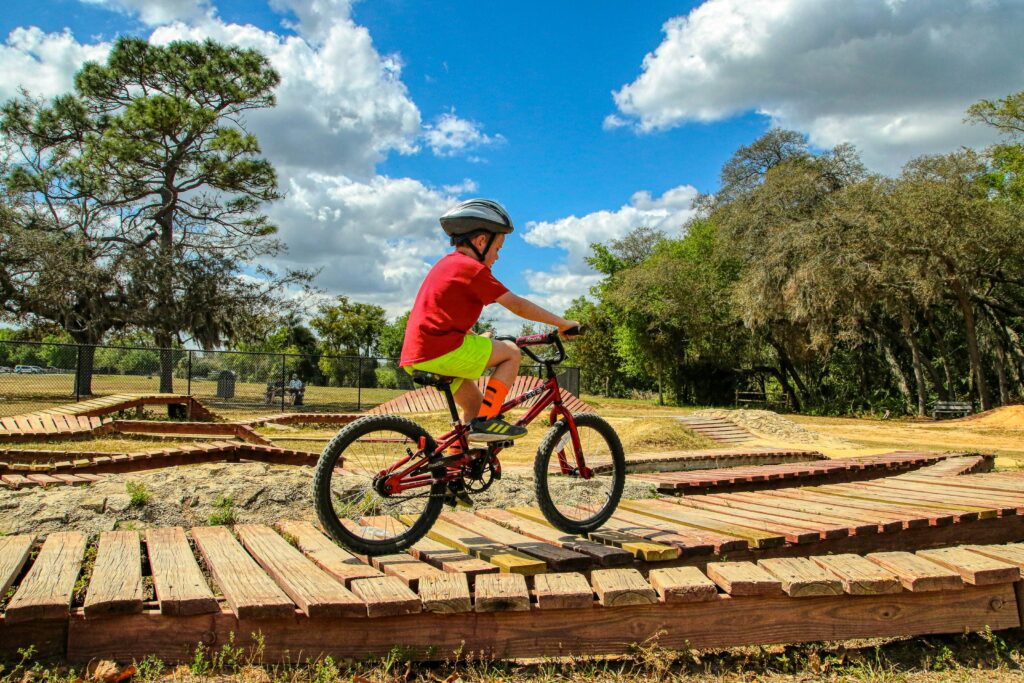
[466, 186]
[43, 63]
[158, 12]
[893, 77]
[341, 106]
[450, 135]
[374, 241]
[572, 278]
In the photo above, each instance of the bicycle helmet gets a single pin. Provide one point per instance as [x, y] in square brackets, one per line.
[474, 217]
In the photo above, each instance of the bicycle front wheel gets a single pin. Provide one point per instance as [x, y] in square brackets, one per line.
[349, 501]
[569, 500]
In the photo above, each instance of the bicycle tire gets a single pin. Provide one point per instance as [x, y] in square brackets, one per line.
[609, 457]
[326, 469]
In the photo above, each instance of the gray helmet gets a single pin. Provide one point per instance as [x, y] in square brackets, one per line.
[474, 216]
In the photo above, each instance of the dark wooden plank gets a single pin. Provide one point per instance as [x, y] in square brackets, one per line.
[440, 555]
[602, 555]
[310, 588]
[501, 593]
[116, 582]
[179, 583]
[611, 534]
[508, 559]
[556, 557]
[758, 538]
[249, 592]
[45, 592]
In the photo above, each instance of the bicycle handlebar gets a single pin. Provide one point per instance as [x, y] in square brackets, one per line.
[552, 337]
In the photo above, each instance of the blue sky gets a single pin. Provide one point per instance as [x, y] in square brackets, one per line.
[585, 119]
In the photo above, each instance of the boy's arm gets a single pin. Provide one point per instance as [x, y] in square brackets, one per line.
[525, 308]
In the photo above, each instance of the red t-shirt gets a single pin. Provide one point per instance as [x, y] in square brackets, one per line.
[447, 306]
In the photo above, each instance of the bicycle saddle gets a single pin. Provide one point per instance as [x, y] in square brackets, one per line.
[429, 379]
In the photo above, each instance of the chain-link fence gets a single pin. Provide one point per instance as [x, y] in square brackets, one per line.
[37, 375]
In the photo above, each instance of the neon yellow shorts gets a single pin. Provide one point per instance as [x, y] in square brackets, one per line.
[466, 362]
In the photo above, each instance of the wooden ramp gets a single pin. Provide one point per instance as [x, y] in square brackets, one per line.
[798, 473]
[718, 429]
[705, 459]
[429, 399]
[27, 468]
[87, 417]
[306, 597]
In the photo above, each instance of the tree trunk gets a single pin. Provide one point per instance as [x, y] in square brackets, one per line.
[84, 362]
[1004, 389]
[947, 358]
[940, 386]
[163, 341]
[971, 330]
[1017, 352]
[894, 366]
[915, 355]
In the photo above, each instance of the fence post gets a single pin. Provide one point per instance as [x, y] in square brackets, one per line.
[189, 392]
[78, 373]
[359, 386]
[282, 383]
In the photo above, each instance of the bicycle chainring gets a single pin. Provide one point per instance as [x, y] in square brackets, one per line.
[480, 473]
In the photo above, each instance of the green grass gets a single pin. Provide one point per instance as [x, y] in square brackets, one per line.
[223, 511]
[138, 494]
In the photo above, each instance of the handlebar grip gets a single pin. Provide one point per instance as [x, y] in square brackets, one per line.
[573, 331]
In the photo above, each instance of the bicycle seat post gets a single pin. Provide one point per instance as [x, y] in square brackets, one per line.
[447, 389]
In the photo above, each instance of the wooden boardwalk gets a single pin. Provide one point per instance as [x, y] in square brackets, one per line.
[797, 473]
[307, 597]
[429, 399]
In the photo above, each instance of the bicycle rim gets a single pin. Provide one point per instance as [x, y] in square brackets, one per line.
[349, 503]
[570, 501]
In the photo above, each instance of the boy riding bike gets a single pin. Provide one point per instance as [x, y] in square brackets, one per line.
[449, 303]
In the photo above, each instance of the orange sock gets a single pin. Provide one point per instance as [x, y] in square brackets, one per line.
[494, 396]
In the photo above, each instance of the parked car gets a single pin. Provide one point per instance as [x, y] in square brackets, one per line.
[4, 368]
[28, 369]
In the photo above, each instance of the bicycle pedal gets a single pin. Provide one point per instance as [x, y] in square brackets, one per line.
[462, 499]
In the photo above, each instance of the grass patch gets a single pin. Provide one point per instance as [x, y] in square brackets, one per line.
[223, 511]
[138, 494]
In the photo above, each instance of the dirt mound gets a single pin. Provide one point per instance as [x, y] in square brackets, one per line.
[1006, 417]
[651, 435]
[770, 425]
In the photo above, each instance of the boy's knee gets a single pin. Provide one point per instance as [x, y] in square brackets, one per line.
[509, 350]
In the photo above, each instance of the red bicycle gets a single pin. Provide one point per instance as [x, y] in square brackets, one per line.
[381, 482]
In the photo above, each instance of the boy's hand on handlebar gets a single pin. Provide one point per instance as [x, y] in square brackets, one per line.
[570, 329]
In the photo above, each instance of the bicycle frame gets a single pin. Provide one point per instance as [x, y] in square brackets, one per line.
[413, 471]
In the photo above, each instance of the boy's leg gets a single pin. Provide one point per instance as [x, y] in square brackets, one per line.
[505, 359]
[468, 398]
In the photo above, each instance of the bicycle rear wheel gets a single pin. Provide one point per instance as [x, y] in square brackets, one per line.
[349, 505]
[571, 502]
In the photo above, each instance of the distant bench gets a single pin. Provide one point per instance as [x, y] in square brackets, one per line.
[959, 408]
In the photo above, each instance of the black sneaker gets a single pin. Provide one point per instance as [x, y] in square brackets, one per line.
[494, 429]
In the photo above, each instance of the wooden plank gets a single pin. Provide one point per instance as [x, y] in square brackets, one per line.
[771, 522]
[438, 554]
[446, 593]
[600, 554]
[860, 576]
[249, 592]
[802, 578]
[693, 538]
[46, 590]
[501, 593]
[620, 587]
[743, 578]
[334, 560]
[310, 588]
[116, 582]
[923, 499]
[856, 525]
[568, 590]
[638, 546]
[507, 559]
[556, 557]
[916, 573]
[757, 538]
[180, 586]
[888, 519]
[722, 623]
[14, 551]
[936, 516]
[682, 584]
[1011, 553]
[975, 569]
[386, 596]
[987, 505]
